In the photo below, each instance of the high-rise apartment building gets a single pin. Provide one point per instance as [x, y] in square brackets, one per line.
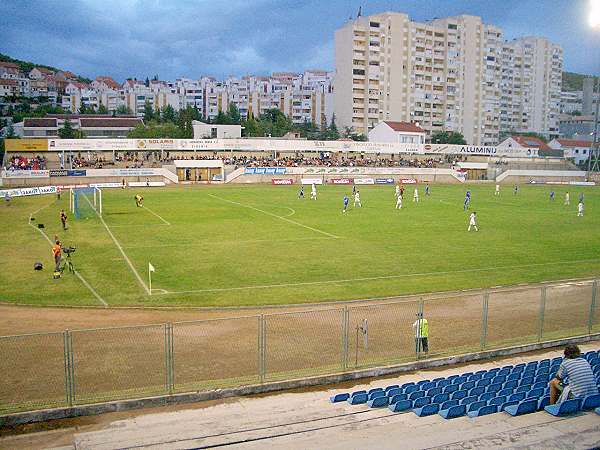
[446, 74]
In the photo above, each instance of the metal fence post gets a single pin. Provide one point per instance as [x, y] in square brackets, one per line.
[69, 368]
[345, 326]
[169, 374]
[542, 312]
[262, 348]
[484, 319]
[420, 308]
[592, 306]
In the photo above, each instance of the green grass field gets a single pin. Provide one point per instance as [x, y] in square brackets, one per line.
[257, 245]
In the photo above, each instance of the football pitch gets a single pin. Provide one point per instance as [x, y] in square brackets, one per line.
[261, 244]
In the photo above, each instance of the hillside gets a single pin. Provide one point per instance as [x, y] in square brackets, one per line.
[26, 66]
[573, 81]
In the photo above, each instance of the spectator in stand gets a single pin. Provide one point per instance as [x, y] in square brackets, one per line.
[574, 379]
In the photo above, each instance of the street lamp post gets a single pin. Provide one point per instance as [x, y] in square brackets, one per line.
[594, 20]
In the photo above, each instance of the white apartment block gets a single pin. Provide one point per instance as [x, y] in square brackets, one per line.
[445, 74]
[531, 86]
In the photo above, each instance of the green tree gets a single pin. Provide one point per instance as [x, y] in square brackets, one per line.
[332, 131]
[148, 112]
[169, 114]
[444, 137]
[102, 109]
[252, 127]
[233, 113]
[222, 119]
[156, 130]
[68, 132]
[275, 123]
[123, 110]
[86, 109]
[185, 119]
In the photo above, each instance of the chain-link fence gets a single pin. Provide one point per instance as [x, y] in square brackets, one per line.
[86, 366]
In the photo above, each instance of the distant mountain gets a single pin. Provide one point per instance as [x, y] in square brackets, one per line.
[26, 66]
[573, 81]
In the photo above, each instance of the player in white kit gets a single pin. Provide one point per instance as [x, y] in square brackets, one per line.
[357, 199]
[416, 196]
[398, 202]
[473, 221]
[397, 191]
[497, 190]
[580, 209]
[313, 192]
[567, 199]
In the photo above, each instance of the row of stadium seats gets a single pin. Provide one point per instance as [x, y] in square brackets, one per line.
[516, 390]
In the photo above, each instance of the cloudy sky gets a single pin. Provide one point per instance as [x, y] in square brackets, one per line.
[190, 38]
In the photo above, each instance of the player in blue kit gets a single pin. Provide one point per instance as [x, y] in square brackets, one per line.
[467, 200]
[346, 201]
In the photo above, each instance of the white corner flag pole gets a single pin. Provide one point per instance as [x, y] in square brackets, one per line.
[150, 270]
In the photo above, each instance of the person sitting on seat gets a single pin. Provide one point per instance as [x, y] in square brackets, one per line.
[574, 379]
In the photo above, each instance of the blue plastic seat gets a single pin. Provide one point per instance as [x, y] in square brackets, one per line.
[427, 386]
[503, 372]
[476, 405]
[422, 382]
[453, 412]
[494, 387]
[378, 402]
[440, 398]
[477, 391]
[542, 402]
[499, 379]
[511, 384]
[358, 399]
[444, 383]
[406, 385]
[597, 411]
[460, 380]
[564, 408]
[459, 395]
[452, 377]
[434, 391]
[494, 370]
[531, 364]
[467, 385]
[542, 370]
[357, 392]
[398, 397]
[518, 366]
[401, 406]
[507, 403]
[525, 407]
[517, 396]
[438, 379]
[370, 391]
[410, 389]
[415, 395]
[418, 403]
[558, 359]
[390, 387]
[489, 375]
[393, 391]
[486, 396]
[467, 374]
[498, 401]
[450, 389]
[481, 372]
[475, 377]
[544, 363]
[523, 388]
[539, 384]
[448, 404]
[509, 367]
[513, 377]
[376, 394]
[468, 400]
[526, 380]
[535, 393]
[427, 410]
[590, 402]
[484, 382]
[339, 397]
[505, 392]
[483, 411]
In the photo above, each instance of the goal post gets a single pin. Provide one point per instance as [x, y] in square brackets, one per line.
[85, 202]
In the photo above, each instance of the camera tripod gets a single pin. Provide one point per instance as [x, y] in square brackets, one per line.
[68, 264]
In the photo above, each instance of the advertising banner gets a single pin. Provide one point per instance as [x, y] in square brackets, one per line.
[408, 181]
[26, 145]
[364, 181]
[21, 192]
[67, 173]
[341, 181]
[282, 181]
[106, 185]
[384, 181]
[26, 174]
[312, 181]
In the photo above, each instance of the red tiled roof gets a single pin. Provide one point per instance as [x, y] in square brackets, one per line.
[44, 70]
[574, 143]
[9, 65]
[109, 81]
[406, 127]
[40, 122]
[8, 82]
[531, 142]
[115, 122]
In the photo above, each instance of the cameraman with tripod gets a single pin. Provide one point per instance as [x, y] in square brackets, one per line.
[57, 253]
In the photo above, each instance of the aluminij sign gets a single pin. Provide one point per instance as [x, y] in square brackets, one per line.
[478, 150]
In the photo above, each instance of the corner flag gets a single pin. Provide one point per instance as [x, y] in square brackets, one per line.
[150, 270]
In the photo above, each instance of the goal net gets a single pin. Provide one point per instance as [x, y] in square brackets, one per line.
[85, 202]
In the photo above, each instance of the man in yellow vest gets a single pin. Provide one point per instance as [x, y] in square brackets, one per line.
[421, 327]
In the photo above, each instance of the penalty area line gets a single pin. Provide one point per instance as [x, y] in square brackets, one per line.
[285, 219]
[383, 277]
[77, 274]
[152, 212]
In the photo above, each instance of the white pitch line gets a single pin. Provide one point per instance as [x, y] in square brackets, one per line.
[249, 241]
[276, 216]
[77, 274]
[135, 272]
[152, 212]
[292, 210]
[384, 277]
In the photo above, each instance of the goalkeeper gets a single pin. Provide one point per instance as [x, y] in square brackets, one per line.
[138, 200]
